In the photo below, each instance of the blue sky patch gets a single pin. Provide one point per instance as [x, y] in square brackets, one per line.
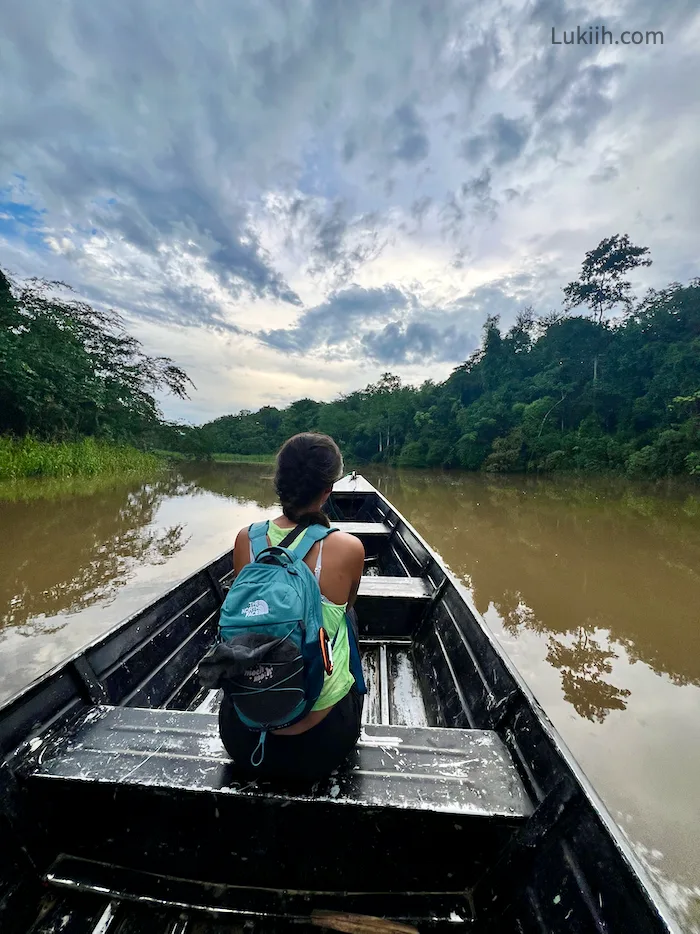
[22, 222]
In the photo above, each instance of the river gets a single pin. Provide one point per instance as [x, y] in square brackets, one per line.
[592, 587]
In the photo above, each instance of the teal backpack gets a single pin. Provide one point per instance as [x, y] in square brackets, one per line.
[274, 650]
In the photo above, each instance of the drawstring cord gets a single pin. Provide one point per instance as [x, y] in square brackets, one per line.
[260, 748]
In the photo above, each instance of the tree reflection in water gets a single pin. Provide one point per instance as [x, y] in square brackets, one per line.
[592, 567]
[582, 663]
[582, 666]
[88, 549]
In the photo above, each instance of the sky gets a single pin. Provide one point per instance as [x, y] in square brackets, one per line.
[291, 197]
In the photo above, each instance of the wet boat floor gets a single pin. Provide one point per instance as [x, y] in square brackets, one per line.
[394, 696]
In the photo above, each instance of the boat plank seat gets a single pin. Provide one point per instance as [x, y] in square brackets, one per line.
[391, 607]
[362, 529]
[445, 787]
[458, 771]
[394, 588]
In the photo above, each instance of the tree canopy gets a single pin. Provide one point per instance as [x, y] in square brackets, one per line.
[68, 370]
[601, 286]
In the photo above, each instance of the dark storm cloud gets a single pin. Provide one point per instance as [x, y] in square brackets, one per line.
[473, 69]
[418, 342]
[157, 204]
[149, 109]
[502, 141]
[588, 101]
[330, 242]
[478, 189]
[569, 94]
[412, 144]
[391, 326]
[335, 322]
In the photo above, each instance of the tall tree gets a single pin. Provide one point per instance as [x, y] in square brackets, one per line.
[602, 285]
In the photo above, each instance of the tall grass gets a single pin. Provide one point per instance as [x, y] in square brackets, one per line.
[28, 457]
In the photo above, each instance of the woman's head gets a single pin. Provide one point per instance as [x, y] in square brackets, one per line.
[307, 467]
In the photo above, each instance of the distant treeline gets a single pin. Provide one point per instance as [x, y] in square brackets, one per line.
[560, 392]
[557, 392]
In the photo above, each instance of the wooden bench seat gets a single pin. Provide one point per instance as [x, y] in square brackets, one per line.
[394, 588]
[444, 787]
[362, 529]
[391, 607]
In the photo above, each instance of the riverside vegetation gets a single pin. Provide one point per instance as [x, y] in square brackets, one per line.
[573, 389]
[76, 391]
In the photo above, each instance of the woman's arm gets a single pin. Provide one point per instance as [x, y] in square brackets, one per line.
[357, 565]
[241, 551]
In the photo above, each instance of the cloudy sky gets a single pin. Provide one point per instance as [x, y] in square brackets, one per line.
[290, 197]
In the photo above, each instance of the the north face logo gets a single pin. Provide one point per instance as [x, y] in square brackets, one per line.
[256, 608]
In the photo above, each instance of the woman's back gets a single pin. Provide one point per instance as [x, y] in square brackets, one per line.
[311, 746]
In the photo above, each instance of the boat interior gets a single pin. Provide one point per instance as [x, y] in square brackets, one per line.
[124, 792]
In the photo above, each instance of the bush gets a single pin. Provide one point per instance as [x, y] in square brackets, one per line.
[505, 453]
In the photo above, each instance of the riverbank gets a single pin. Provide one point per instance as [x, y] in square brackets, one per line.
[27, 457]
[219, 458]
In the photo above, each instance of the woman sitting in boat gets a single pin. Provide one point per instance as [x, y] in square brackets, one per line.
[311, 747]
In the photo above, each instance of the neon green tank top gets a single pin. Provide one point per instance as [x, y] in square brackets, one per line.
[336, 685]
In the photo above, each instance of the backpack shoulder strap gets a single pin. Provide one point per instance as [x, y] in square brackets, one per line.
[257, 534]
[312, 534]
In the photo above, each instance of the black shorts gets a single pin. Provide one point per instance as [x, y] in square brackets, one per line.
[303, 757]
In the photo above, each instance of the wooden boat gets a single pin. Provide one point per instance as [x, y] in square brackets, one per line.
[460, 810]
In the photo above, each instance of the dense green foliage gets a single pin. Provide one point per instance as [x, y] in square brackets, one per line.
[68, 370]
[562, 392]
[88, 457]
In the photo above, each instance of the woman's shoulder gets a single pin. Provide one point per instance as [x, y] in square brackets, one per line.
[346, 543]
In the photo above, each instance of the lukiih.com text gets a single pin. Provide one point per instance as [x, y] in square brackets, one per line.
[599, 35]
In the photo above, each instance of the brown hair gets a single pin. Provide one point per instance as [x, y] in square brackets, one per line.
[308, 464]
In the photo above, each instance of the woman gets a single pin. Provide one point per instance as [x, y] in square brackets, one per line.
[307, 467]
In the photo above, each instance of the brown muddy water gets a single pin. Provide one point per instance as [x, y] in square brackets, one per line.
[592, 588]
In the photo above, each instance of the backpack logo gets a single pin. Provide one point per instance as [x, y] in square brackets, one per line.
[256, 608]
[260, 673]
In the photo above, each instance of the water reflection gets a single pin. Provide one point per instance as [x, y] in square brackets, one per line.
[78, 557]
[596, 566]
[582, 667]
[245, 482]
[74, 551]
[62, 556]
[593, 589]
